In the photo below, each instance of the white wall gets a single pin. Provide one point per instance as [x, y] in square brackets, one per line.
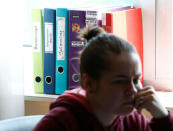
[148, 19]
[158, 46]
[11, 65]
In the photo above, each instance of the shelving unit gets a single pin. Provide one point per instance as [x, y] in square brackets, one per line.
[165, 97]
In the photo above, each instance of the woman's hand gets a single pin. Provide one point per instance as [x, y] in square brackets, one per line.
[146, 98]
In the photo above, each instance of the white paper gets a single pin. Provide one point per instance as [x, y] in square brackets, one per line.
[77, 43]
[61, 38]
[48, 37]
[36, 29]
[103, 18]
[91, 18]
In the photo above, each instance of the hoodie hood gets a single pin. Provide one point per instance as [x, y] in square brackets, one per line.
[72, 98]
[77, 104]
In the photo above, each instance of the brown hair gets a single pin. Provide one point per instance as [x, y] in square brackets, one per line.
[94, 57]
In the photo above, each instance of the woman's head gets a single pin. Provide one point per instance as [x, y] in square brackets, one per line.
[110, 71]
[100, 45]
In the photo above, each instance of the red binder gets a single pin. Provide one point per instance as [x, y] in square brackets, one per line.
[107, 22]
[126, 24]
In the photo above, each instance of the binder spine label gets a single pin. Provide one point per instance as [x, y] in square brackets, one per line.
[61, 38]
[91, 18]
[36, 29]
[104, 19]
[77, 43]
[48, 37]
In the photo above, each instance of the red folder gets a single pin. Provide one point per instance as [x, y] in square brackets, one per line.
[107, 22]
[126, 24]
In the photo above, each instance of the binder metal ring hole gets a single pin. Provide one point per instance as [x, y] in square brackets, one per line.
[60, 69]
[48, 79]
[75, 77]
[38, 79]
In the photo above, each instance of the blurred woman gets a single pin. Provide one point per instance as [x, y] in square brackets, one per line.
[111, 95]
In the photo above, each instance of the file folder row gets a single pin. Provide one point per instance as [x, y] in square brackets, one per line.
[56, 46]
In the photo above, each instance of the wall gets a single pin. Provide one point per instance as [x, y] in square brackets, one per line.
[148, 19]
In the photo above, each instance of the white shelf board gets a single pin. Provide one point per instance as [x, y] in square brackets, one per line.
[40, 97]
[166, 98]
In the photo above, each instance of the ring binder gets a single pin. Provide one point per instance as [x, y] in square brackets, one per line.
[49, 18]
[78, 19]
[61, 50]
[37, 42]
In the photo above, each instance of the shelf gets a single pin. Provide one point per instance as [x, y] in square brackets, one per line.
[40, 97]
[166, 99]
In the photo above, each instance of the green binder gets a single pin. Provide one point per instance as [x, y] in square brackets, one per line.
[37, 44]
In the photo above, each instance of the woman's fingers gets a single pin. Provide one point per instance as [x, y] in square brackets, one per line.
[144, 101]
[145, 91]
[144, 97]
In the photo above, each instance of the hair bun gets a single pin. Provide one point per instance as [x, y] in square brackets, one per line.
[89, 32]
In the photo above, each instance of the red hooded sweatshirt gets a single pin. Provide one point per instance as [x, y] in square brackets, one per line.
[71, 112]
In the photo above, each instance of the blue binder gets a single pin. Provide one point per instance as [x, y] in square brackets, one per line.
[49, 19]
[61, 50]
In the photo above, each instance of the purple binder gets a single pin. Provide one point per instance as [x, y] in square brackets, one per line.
[77, 20]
